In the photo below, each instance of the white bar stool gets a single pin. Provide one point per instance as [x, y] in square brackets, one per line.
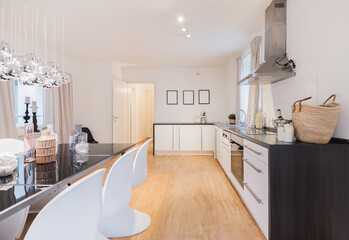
[140, 170]
[73, 214]
[119, 219]
[12, 227]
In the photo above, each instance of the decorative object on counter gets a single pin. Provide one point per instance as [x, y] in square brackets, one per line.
[204, 97]
[26, 116]
[46, 148]
[188, 97]
[90, 138]
[35, 120]
[172, 97]
[8, 163]
[78, 140]
[232, 118]
[279, 114]
[53, 133]
[260, 120]
[277, 122]
[203, 117]
[288, 133]
[29, 142]
[280, 133]
[315, 124]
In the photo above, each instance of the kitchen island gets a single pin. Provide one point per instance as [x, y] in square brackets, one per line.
[293, 190]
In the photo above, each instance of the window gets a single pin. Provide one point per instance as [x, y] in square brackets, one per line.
[36, 93]
[245, 69]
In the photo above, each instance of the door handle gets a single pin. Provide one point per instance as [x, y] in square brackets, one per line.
[253, 193]
[252, 165]
[252, 150]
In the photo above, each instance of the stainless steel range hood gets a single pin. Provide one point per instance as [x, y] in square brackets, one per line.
[275, 68]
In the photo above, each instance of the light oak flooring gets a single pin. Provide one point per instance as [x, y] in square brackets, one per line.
[188, 197]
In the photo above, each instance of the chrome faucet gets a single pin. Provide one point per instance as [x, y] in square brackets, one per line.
[240, 122]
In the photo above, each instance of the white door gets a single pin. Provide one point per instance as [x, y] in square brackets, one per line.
[164, 137]
[207, 137]
[120, 111]
[189, 138]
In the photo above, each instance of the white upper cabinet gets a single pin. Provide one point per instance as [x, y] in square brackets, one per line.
[207, 137]
[164, 137]
[190, 137]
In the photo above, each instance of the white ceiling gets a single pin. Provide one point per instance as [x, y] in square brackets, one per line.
[147, 33]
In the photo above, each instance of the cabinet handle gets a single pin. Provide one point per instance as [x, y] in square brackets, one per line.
[258, 153]
[252, 165]
[253, 193]
[225, 144]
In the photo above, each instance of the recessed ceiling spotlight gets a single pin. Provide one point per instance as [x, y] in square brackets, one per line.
[184, 29]
[188, 36]
[180, 19]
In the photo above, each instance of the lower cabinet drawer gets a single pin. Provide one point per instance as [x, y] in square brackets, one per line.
[257, 171]
[257, 203]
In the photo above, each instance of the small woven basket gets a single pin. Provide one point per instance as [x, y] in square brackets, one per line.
[45, 148]
[315, 124]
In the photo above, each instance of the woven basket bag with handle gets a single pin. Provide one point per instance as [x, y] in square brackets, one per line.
[315, 124]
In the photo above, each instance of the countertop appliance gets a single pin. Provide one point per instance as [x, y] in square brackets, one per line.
[237, 162]
[276, 66]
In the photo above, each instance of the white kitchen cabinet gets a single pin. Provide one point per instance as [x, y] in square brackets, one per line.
[190, 138]
[256, 183]
[219, 133]
[164, 137]
[207, 137]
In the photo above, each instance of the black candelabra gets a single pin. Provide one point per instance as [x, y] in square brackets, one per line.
[35, 121]
[26, 117]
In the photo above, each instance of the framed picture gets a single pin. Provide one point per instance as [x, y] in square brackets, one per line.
[204, 96]
[188, 97]
[172, 97]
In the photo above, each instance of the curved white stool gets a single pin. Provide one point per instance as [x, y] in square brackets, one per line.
[119, 219]
[140, 165]
[73, 214]
[12, 227]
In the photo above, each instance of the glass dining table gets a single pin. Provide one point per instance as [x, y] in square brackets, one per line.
[31, 182]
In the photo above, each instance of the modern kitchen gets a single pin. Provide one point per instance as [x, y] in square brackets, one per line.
[174, 120]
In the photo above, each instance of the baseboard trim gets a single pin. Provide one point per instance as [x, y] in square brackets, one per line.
[161, 152]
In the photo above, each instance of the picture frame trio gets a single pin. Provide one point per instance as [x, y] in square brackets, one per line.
[188, 97]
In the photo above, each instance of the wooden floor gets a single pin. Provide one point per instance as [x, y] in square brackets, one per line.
[189, 197]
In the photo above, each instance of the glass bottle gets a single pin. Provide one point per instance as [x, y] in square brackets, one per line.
[78, 138]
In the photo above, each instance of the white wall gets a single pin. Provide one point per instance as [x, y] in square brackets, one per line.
[93, 97]
[318, 40]
[183, 79]
[231, 87]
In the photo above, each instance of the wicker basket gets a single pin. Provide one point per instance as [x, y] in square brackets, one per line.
[315, 124]
[46, 148]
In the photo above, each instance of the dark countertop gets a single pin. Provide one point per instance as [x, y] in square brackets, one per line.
[180, 123]
[269, 140]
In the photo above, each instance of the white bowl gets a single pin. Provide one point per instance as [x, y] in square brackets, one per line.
[8, 163]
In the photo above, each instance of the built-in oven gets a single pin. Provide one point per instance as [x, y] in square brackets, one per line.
[237, 162]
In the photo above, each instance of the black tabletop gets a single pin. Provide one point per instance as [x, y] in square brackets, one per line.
[31, 181]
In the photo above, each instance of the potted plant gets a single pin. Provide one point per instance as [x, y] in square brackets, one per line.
[232, 118]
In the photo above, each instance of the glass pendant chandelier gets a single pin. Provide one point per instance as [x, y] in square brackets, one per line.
[28, 68]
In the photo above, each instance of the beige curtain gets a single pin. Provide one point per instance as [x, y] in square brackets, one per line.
[8, 127]
[253, 100]
[63, 112]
